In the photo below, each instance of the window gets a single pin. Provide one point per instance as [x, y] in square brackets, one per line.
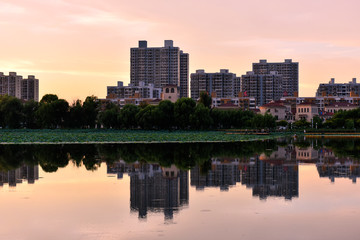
[172, 90]
[167, 90]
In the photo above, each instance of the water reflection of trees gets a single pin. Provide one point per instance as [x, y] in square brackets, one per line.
[184, 156]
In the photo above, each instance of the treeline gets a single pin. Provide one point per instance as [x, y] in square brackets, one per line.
[344, 119]
[52, 112]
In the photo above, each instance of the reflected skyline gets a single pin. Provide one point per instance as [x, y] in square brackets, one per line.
[27, 173]
[154, 188]
[178, 191]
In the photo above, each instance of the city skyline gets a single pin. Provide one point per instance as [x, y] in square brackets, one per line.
[88, 44]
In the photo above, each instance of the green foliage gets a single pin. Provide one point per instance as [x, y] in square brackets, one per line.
[282, 123]
[183, 108]
[301, 124]
[91, 110]
[48, 98]
[128, 116]
[11, 115]
[29, 110]
[76, 115]
[165, 115]
[52, 112]
[146, 117]
[200, 119]
[205, 99]
[344, 119]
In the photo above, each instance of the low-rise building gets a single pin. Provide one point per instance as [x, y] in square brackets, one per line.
[306, 111]
[279, 110]
[144, 91]
[244, 103]
[341, 106]
[170, 92]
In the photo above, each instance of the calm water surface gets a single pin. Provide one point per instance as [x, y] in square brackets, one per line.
[287, 189]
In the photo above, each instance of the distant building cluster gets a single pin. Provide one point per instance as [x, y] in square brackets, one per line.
[16, 86]
[155, 69]
[162, 73]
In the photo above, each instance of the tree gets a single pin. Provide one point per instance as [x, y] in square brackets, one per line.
[317, 122]
[91, 111]
[205, 99]
[165, 115]
[109, 118]
[10, 112]
[76, 115]
[146, 117]
[48, 98]
[128, 116]
[52, 112]
[60, 110]
[200, 119]
[301, 124]
[183, 108]
[269, 121]
[282, 123]
[29, 110]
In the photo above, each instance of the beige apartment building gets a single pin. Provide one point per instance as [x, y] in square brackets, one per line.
[223, 84]
[14, 85]
[288, 70]
[160, 66]
[263, 87]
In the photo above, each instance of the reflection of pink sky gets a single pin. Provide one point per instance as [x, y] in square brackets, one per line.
[77, 48]
[74, 203]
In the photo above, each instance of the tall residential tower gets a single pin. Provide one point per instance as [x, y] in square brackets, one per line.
[160, 66]
[14, 85]
[288, 70]
[224, 84]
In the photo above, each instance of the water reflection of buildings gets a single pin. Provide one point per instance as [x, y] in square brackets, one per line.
[154, 188]
[331, 166]
[224, 173]
[271, 179]
[275, 175]
[16, 176]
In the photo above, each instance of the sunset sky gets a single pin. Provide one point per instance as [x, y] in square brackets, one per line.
[78, 47]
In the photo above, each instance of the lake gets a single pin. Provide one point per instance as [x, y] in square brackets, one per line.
[273, 189]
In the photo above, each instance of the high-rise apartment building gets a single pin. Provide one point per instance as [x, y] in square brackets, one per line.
[263, 87]
[30, 88]
[10, 85]
[289, 71]
[14, 85]
[224, 84]
[160, 66]
[350, 89]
